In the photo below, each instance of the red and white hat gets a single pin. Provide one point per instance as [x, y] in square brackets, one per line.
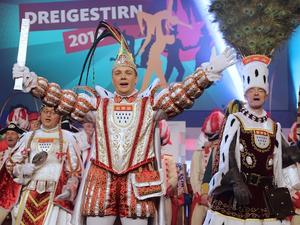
[20, 117]
[212, 124]
[33, 116]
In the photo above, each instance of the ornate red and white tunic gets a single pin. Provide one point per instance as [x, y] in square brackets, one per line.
[38, 204]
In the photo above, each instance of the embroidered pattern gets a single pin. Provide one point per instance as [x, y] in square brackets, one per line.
[121, 148]
[107, 194]
[35, 208]
[248, 160]
[240, 212]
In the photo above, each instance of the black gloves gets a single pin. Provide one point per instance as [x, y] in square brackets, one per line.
[290, 153]
[240, 190]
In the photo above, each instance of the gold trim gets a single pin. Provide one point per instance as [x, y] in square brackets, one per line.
[258, 129]
[250, 219]
[21, 207]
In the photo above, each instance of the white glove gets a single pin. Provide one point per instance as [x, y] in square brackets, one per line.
[64, 195]
[23, 173]
[217, 64]
[28, 169]
[29, 81]
[160, 115]
[69, 190]
[19, 71]
[29, 78]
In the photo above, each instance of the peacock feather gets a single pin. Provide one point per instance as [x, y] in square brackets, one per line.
[256, 26]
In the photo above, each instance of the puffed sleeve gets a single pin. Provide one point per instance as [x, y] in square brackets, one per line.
[179, 96]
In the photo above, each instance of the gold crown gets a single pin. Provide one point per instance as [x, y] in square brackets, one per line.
[124, 57]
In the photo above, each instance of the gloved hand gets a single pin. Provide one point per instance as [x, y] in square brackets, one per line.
[241, 193]
[23, 173]
[29, 78]
[19, 71]
[69, 190]
[290, 154]
[28, 169]
[217, 64]
[160, 115]
[64, 195]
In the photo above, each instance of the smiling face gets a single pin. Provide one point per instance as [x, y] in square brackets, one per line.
[256, 97]
[49, 118]
[11, 138]
[124, 79]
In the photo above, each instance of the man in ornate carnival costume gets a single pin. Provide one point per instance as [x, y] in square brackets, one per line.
[11, 136]
[253, 151]
[48, 166]
[121, 179]
[202, 163]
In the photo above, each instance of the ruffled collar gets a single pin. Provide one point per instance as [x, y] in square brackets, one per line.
[129, 98]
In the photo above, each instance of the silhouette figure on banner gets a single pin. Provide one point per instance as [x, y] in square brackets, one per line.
[203, 42]
[145, 53]
[190, 7]
[159, 25]
[173, 60]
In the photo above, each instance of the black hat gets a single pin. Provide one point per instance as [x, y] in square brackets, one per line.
[13, 127]
[67, 125]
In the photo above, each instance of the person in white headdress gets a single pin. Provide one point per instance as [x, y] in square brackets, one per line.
[253, 154]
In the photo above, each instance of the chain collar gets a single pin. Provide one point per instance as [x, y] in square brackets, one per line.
[253, 117]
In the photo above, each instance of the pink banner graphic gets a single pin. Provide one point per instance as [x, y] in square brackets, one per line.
[82, 39]
[83, 14]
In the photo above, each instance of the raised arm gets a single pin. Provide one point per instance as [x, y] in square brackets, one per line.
[179, 96]
[67, 102]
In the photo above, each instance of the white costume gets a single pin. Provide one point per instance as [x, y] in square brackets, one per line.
[84, 145]
[61, 168]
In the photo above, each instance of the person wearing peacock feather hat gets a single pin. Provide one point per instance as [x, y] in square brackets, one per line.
[250, 186]
[121, 179]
